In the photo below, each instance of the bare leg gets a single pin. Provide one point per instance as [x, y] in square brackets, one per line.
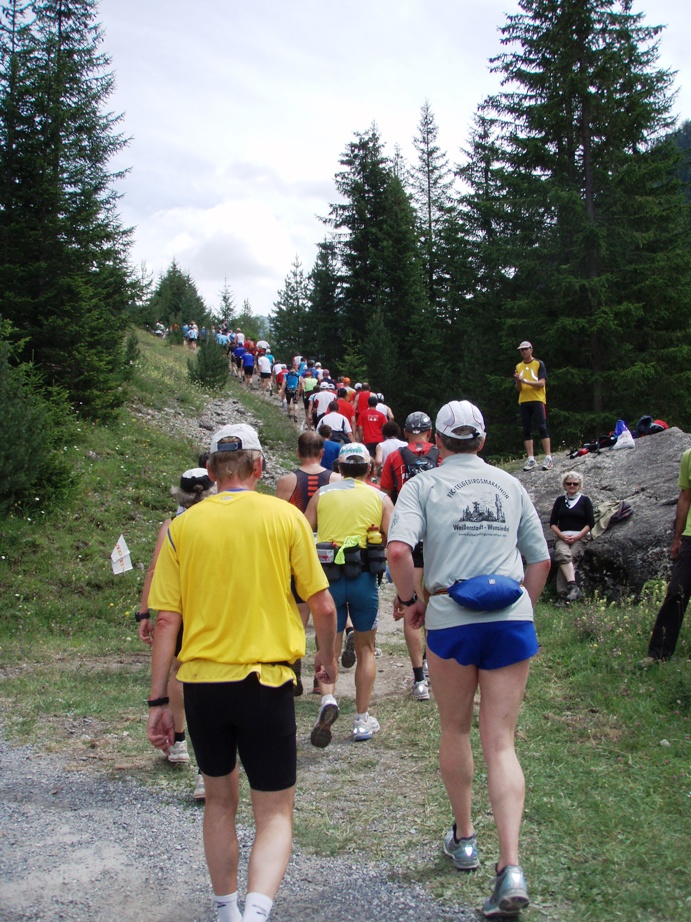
[273, 839]
[547, 446]
[454, 691]
[501, 693]
[529, 447]
[220, 839]
[365, 670]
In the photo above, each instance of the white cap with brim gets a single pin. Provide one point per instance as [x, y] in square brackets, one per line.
[525, 345]
[195, 477]
[354, 452]
[247, 437]
[460, 414]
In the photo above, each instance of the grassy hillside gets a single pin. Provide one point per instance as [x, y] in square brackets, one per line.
[604, 746]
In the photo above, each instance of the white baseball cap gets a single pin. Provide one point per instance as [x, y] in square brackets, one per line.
[525, 345]
[354, 451]
[460, 414]
[247, 437]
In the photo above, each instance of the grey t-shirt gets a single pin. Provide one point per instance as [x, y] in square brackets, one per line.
[474, 520]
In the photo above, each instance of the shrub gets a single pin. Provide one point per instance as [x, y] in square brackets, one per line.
[209, 365]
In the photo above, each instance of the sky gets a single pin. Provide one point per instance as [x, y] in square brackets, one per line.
[238, 113]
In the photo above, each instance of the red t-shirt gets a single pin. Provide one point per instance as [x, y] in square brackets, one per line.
[371, 422]
[345, 408]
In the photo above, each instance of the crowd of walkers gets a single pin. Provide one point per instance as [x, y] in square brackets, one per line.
[369, 500]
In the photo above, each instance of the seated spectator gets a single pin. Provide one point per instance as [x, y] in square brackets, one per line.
[571, 521]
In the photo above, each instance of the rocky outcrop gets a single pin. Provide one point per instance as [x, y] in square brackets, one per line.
[628, 554]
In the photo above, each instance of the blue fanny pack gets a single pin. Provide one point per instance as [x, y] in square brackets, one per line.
[486, 593]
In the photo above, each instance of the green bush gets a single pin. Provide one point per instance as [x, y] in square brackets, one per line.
[209, 365]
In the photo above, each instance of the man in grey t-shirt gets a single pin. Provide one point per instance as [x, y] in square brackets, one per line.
[475, 520]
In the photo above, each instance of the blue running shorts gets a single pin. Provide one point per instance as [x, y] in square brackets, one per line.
[485, 644]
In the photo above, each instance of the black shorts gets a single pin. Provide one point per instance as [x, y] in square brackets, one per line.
[249, 370]
[178, 641]
[291, 395]
[238, 361]
[225, 719]
[534, 410]
[265, 375]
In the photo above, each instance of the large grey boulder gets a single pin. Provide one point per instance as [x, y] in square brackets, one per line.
[628, 554]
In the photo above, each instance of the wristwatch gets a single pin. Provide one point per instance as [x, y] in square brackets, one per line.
[410, 601]
[142, 616]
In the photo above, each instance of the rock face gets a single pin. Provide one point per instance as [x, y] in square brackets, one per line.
[628, 554]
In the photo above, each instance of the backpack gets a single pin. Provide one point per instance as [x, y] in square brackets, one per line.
[292, 380]
[340, 436]
[416, 463]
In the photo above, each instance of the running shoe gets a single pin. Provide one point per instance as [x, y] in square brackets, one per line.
[548, 464]
[348, 655]
[420, 690]
[321, 731]
[178, 752]
[510, 894]
[199, 790]
[365, 727]
[462, 852]
[530, 464]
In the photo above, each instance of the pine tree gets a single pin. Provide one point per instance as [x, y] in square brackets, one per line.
[289, 318]
[63, 270]
[324, 333]
[226, 310]
[432, 182]
[176, 301]
[585, 247]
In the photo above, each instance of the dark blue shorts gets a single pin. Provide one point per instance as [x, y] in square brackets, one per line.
[485, 644]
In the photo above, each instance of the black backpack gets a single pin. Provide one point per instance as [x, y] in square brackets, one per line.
[417, 463]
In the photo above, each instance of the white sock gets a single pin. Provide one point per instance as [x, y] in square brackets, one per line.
[362, 716]
[328, 699]
[257, 907]
[227, 908]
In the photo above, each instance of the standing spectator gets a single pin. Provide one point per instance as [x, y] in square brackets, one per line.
[670, 618]
[531, 380]
[417, 455]
[476, 521]
[239, 638]
[571, 521]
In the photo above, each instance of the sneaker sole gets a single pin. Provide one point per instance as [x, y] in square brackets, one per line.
[321, 731]
[509, 905]
[179, 760]
[348, 655]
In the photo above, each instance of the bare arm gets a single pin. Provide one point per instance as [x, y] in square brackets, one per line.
[146, 628]
[324, 617]
[535, 578]
[161, 725]
[386, 513]
[683, 505]
[311, 511]
[400, 557]
[286, 486]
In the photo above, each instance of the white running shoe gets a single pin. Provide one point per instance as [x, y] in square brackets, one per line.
[199, 790]
[328, 714]
[530, 464]
[420, 690]
[178, 752]
[365, 727]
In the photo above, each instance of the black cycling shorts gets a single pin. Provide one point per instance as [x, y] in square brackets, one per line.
[254, 721]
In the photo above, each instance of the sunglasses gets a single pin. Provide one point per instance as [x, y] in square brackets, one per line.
[570, 483]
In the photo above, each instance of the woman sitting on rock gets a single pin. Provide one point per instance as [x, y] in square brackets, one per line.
[571, 521]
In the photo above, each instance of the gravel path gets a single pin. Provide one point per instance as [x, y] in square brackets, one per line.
[79, 846]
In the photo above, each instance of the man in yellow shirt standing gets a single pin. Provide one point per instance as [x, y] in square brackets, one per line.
[531, 379]
[240, 636]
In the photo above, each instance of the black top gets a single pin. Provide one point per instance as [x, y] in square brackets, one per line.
[575, 518]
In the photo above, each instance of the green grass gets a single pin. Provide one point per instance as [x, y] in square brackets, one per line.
[606, 828]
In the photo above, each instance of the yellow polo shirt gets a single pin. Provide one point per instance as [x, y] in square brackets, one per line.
[225, 567]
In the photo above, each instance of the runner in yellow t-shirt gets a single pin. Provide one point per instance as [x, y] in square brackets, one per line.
[531, 378]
